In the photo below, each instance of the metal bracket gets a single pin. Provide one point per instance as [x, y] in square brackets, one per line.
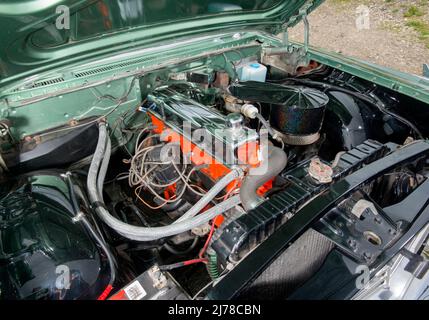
[302, 14]
[359, 228]
[418, 266]
[306, 33]
[289, 57]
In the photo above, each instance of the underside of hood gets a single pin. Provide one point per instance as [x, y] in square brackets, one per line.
[37, 33]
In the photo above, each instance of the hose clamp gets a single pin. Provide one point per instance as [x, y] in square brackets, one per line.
[80, 215]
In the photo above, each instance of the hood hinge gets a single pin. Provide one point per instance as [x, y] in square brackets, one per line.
[290, 57]
[302, 15]
[426, 70]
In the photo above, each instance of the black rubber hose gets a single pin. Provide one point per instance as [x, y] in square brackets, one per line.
[103, 245]
[176, 252]
[137, 212]
[266, 124]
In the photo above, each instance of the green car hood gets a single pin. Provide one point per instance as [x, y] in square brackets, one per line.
[37, 33]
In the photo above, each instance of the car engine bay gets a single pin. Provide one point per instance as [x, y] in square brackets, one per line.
[184, 195]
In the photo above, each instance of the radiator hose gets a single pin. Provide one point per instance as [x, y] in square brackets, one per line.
[269, 168]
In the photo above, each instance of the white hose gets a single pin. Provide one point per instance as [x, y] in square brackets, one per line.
[95, 164]
[155, 233]
[235, 173]
[103, 169]
[149, 234]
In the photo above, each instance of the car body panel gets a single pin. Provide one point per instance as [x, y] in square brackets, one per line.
[33, 41]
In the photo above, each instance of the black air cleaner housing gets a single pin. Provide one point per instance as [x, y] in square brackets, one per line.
[296, 112]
